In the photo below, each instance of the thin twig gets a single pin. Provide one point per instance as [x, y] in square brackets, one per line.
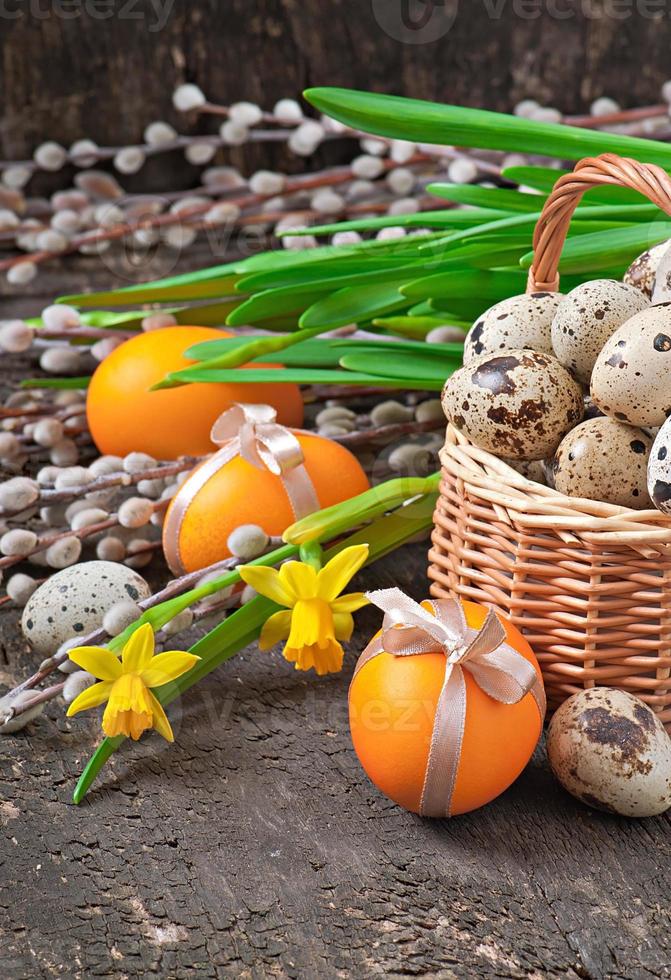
[172, 589]
[332, 178]
[385, 433]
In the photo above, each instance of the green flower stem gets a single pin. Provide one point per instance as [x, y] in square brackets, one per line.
[335, 520]
[242, 354]
[159, 615]
[311, 553]
[243, 626]
[308, 376]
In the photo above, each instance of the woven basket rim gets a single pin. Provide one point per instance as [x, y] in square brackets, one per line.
[534, 504]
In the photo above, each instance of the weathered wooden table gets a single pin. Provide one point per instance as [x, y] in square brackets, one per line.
[256, 847]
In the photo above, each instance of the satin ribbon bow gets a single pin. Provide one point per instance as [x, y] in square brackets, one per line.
[409, 629]
[252, 432]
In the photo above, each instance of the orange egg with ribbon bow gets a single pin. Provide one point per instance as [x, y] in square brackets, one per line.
[125, 416]
[446, 704]
[263, 474]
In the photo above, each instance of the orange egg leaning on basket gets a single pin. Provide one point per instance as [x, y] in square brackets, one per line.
[392, 704]
[239, 493]
[125, 416]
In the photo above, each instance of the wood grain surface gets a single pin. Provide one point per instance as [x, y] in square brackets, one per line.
[105, 68]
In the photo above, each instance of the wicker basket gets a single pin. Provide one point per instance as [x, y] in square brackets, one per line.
[589, 583]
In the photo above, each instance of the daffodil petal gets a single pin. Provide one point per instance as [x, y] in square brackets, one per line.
[335, 575]
[98, 661]
[267, 582]
[275, 628]
[167, 666]
[90, 698]
[311, 623]
[139, 650]
[161, 723]
[349, 603]
[129, 708]
[326, 659]
[299, 579]
[343, 625]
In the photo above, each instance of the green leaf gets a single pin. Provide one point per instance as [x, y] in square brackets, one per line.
[307, 353]
[449, 217]
[268, 304]
[333, 278]
[430, 122]
[241, 353]
[495, 198]
[326, 270]
[433, 369]
[489, 286]
[353, 305]
[67, 384]
[300, 376]
[544, 178]
[411, 326]
[205, 284]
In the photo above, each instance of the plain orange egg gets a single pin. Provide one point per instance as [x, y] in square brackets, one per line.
[239, 493]
[124, 416]
[392, 705]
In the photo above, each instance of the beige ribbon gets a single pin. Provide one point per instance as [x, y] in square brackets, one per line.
[407, 630]
[252, 432]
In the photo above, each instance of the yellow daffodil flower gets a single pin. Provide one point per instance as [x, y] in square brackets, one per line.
[317, 616]
[125, 684]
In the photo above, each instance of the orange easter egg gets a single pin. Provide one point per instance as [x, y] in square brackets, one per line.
[239, 493]
[392, 705]
[125, 416]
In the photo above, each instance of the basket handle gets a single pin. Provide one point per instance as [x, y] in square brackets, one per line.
[552, 227]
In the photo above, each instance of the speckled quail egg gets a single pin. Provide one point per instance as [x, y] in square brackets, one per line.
[517, 404]
[73, 602]
[611, 751]
[631, 380]
[642, 273]
[602, 459]
[585, 319]
[659, 469]
[516, 322]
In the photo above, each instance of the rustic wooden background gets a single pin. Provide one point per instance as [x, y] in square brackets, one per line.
[103, 68]
[255, 846]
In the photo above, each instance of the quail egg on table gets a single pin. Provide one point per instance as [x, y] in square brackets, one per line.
[631, 380]
[585, 319]
[73, 602]
[609, 749]
[642, 273]
[602, 459]
[659, 469]
[518, 404]
[519, 321]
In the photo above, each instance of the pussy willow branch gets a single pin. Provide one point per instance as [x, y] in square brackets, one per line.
[82, 534]
[622, 116]
[40, 697]
[172, 589]
[52, 692]
[385, 433]
[330, 178]
[49, 496]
